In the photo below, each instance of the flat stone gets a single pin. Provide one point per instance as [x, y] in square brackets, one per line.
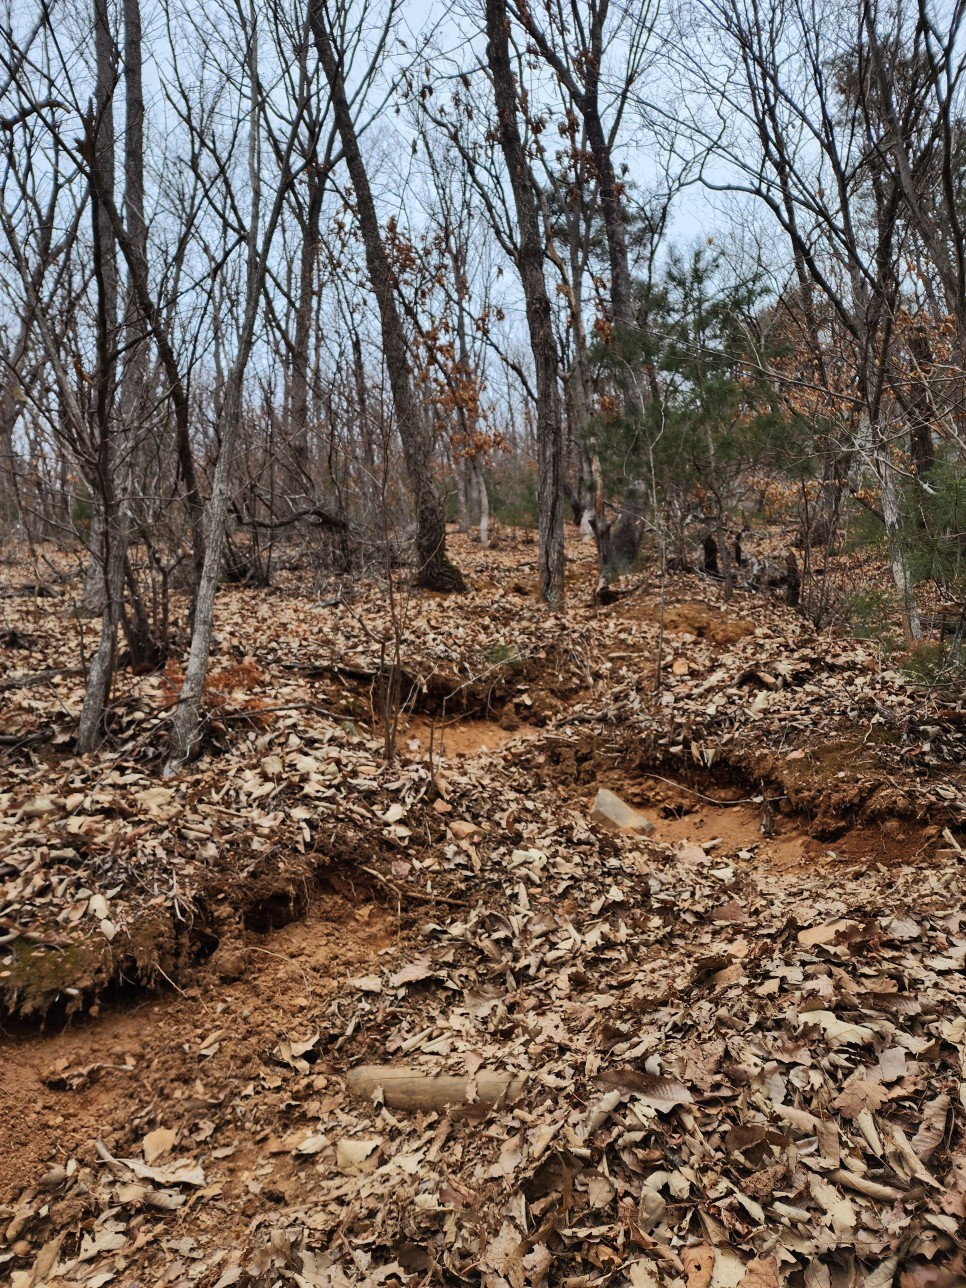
[616, 814]
[691, 854]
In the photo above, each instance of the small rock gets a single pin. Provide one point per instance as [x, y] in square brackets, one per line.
[691, 854]
[616, 814]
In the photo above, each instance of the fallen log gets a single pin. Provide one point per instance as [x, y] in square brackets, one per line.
[415, 1089]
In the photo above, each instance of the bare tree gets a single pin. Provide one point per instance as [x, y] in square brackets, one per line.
[574, 42]
[112, 463]
[530, 256]
[256, 228]
[435, 570]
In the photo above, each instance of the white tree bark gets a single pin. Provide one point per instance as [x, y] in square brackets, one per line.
[484, 501]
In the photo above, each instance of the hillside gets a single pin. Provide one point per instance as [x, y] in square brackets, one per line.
[730, 1046]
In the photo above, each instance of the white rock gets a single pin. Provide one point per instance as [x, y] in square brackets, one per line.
[616, 814]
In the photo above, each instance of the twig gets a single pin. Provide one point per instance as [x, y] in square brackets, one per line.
[23, 739]
[39, 677]
[413, 894]
[744, 800]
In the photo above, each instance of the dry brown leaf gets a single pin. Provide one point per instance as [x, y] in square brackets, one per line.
[817, 1274]
[859, 1095]
[838, 1032]
[643, 1274]
[504, 1255]
[357, 1153]
[661, 1093]
[420, 969]
[698, 1265]
[932, 1129]
[761, 1273]
[157, 1143]
[830, 932]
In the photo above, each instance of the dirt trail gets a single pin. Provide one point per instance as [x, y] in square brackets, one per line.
[143, 1049]
[294, 975]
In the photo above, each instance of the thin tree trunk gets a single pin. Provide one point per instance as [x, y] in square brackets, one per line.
[922, 412]
[621, 292]
[550, 495]
[184, 738]
[463, 490]
[135, 396]
[435, 570]
[93, 595]
[484, 501]
[892, 518]
[303, 324]
[111, 468]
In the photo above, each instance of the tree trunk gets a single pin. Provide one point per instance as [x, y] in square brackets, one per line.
[463, 486]
[184, 739]
[109, 472]
[484, 501]
[621, 293]
[105, 655]
[550, 496]
[94, 595]
[922, 413]
[435, 571]
[309, 250]
[892, 518]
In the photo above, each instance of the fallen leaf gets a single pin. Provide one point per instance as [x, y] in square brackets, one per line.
[698, 1265]
[421, 968]
[354, 1152]
[660, 1093]
[762, 1272]
[157, 1143]
[932, 1129]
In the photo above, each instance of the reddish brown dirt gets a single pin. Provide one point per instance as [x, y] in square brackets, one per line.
[687, 617]
[198, 1059]
[460, 737]
[295, 975]
[732, 822]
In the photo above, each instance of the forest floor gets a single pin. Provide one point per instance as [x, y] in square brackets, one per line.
[736, 1042]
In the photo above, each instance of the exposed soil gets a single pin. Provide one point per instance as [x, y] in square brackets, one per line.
[462, 737]
[294, 906]
[147, 1056]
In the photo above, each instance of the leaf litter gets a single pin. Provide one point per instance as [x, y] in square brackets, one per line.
[726, 1071]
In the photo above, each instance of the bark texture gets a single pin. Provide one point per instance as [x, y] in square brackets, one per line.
[550, 495]
[111, 465]
[435, 570]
